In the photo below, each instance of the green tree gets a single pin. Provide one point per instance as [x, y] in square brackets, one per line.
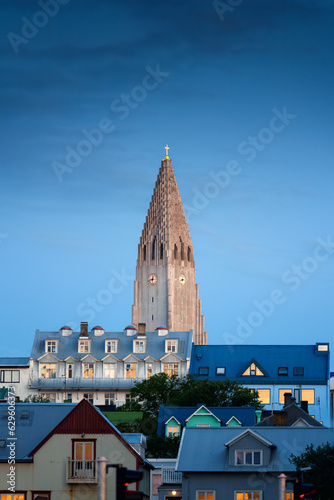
[37, 399]
[321, 474]
[189, 391]
[158, 446]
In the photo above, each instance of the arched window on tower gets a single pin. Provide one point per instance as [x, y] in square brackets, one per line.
[189, 254]
[182, 249]
[161, 251]
[144, 252]
[153, 248]
[175, 251]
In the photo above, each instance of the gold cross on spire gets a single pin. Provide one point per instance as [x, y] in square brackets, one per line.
[166, 155]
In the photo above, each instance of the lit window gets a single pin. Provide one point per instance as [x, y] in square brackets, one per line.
[83, 346]
[247, 457]
[139, 346]
[281, 393]
[171, 369]
[10, 376]
[149, 370]
[171, 346]
[69, 398]
[109, 398]
[322, 347]
[109, 370]
[203, 370]
[248, 495]
[111, 346]
[283, 370]
[130, 370]
[88, 370]
[308, 395]
[252, 371]
[220, 370]
[50, 346]
[296, 394]
[298, 371]
[289, 495]
[83, 459]
[205, 495]
[12, 496]
[264, 396]
[48, 397]
[48, 370]
[172, 431]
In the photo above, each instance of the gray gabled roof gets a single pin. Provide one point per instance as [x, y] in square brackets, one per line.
[213, 456]
[68, 345]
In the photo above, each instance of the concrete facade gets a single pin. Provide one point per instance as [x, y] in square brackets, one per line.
[165, 290]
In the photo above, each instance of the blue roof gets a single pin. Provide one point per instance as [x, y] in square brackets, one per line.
[213, 456]
[68, 345]
[245, 414]
[235, 359]
[41, 419]
[14, 361]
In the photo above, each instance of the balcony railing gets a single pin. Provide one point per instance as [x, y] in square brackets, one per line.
[170, 476]
[81, 471]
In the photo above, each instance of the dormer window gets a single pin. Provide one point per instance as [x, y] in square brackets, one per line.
[139, 346]
[248, 457]
[83, 346]
[111, 346]
[51, 346]
[253, 371]
[171, 346]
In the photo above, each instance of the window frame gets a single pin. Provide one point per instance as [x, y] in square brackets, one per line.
[173, 433]
[300, 369]
[223, 368]
[109, 367]
[41, 370]
[166, 368]
[264, 389]
[83, 343]
[48, 343]
[148, 368]
[3, 374]
[172, 346]
[206, 493]
[303, 389]
[107, 397]
[245, 464]
[203, 370]
[132, 366]
[139, 346]
[282, 391]
[112, 343]
[283, 371]
[84, 370]
[10, 493]
[37, 493]
[244, 492]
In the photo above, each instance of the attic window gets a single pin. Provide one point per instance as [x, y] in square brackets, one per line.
[248, 457]
[203, 370]
[253, 371]
[283, 370]
[51, 346]
[298, 371]
[2, 443]
[322, 347]
[83, 346]
[220, 370]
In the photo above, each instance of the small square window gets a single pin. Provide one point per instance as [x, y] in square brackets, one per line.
[220, 370]
[298, 371]
[322, 347]
[203, 370]
[283, 370]
[2, 443]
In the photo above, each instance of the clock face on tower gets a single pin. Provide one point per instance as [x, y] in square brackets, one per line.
[182, 279]
[152, 279]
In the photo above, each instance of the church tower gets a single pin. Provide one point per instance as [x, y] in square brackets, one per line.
[165, 291]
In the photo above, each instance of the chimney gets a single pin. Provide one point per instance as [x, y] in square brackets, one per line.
[84, 329]
[304, 405]
[141, 329]
[287, 399]
[280, 418]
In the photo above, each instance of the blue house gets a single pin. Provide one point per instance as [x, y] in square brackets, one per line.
[172, 419]
[236, 463]
[272, 370]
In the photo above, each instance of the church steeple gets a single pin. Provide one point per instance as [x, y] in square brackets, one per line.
[166, 292]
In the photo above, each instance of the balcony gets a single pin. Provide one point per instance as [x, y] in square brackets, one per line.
[170, 476]
[81, 471]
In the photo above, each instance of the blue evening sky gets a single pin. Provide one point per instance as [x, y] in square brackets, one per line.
[242, 92]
